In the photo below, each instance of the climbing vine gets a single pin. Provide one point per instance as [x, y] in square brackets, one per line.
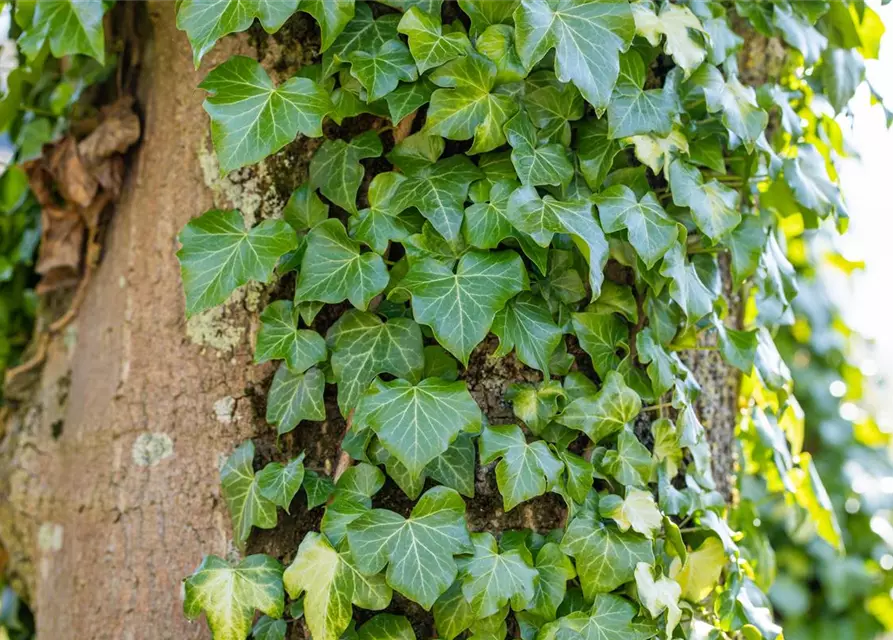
[586, 180]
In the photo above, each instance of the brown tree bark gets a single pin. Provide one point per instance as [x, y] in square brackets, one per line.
[109, 488]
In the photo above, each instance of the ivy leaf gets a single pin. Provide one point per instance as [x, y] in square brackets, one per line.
[604, 413]
[280, 339]
[452, 613]
[686, 287]
[247, 507]
[438, 191]
[554, 569]
[336, 170]
[455, 467]
[484, 13]
[334, 269]
[466, 106]
[536, 166]
[279, 483]
[587, 36]
[497, 44]
[417, 423]
[408, 97]
[380, 72]
[206, 22]
[605, 557]
[798, 33]
[662, 366]
[331, 583]
[418, 550]
[808, 178]
[363, 347]
[738, 347]
[526, 470]
[486, 223]
[230, 594]
[377, 226]
[659, 595]
[526, 325]
[650, 229]
[637, 511]
[634, 111]
[631, 462]
[596, 151]
[295, 397]
[677, 23]
[552, 105]
[492, 579]
[304, 210]
[219, 255]
[610, 618]
[317, 487]
[72, 27]
[460, 307]
[362, 32]
[251, 119]
[842, 71]
[602, 335]
[332, 16]
[266, 628]
[429, 45]
[385, 626]
[713, 205]
[740, 112]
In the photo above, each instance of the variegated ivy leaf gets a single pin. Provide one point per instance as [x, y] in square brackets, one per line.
[229, 595]
[610, 618]
[295, 397]
[637, 511]
[526, 470]
[656, 152]
[219, 255]
[484, 13]
[71, 27]
[536, 405]
[604, 413]
[541, 218]
[536, 165]
[280, 339]
[247, 507]
[385, 626]
[491, 580]
[677, 23]
[740, 113]
[418, 550]
[460, 306]
[362, 32]
[602, 336]
[552, 105]
[554, 569]
[279, 483]
[526, 325]
[497, 44]
[631, 463]
[659, 595]
[649, 228]
[331, 583]
[334, 269]
[336, 170]
[429, 45]
[206, 21]
[438, 191]
[636, 111]
[596, 151]
[251, 119]
[714, 206]
[417, 423]
[363, 347]
[605, 557]
[686, 287]
[381, 70]
[588, 38]
[467, 106]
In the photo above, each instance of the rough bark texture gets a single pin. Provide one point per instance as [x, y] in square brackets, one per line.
[109, 490]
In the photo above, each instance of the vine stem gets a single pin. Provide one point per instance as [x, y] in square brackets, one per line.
[679, 347]
[344, 459]
[658, 407]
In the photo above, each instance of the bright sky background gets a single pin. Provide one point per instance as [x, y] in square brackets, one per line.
[867, 297]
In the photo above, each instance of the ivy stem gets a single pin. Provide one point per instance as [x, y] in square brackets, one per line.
[679, 347]
[658, 407]
[37, 110]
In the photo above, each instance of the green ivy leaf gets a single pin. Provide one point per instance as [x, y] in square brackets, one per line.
[713, 205]
[554, 569]
[378, 226]
[266, 628]
[219, 255]
[798, 33]
[467, 106]
[552, 105]
[460, 306]
[455, 467]
[206, 22]
[604, 413]
[247, 507]
[331, 583]
[634, 111]
[526, 325]
[588, 38]
[602, 335]
[492, 579]
[251, 119]
[740, 112]
[318, 488]
[526, 470]
[746, 244]
[429, 45]
[605, 557]
[334, 269]
[738, 348]
[487, 223]
[363, 347]
[610, 618]
[484, 13]
[295, 397]
[230, 594]
[385, 626]
[631, 462]
[362, 32]
[808, 178]
[279, 483]
[72, 27]
[408, 97]
[497, 44]
[536, 165]
[452, 613]
[304, 210]
[596, 151]
[280, 339]
[650, 229]
[418, 550]
[336, 170]
[382, 70]
[417, 423]
[686, 287]
[331, 15]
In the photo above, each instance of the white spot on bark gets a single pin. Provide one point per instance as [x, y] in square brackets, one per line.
[49, 537]
[151, 448]
[224, 409]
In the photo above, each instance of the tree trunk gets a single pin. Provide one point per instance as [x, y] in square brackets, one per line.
[109, 488]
